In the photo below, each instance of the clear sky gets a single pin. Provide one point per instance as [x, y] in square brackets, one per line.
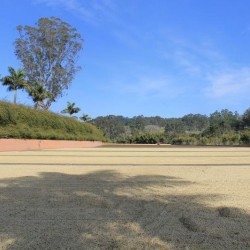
[145, 57]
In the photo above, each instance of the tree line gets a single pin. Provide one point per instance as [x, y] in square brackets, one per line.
[220, 128]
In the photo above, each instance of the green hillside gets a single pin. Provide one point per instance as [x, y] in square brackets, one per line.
[17, 121]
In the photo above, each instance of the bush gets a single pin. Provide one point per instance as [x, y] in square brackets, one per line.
[231, 139]
[144, 138]
[245, 138]
[185, 140]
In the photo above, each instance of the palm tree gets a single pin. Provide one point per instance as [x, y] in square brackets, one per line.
[38, 94]
[71, 109]
[85, 117]
[16, 80]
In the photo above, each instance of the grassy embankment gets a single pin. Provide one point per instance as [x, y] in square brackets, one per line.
[18, 121]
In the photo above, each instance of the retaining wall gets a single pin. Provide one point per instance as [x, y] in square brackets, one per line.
[22, 144]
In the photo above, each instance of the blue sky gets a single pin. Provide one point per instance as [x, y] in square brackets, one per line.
[145, 57]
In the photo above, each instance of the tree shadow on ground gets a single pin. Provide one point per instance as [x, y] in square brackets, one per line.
[109, 210]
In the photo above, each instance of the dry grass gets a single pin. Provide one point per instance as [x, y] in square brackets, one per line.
[125, 198]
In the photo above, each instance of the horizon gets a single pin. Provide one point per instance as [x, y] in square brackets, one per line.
[123, 116]
[166, 59]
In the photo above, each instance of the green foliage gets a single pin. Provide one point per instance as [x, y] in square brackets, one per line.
[222, 122]
[220, 128]
[38, 94]
[195, 122]
[185, 140]
[48, 52]
[145, 138]
[71, 109]
[16, 80]
[245, 137]
[174, 126]
[85, 117]
[246, 118]
[18, 121]
[137, 124]
[111, 125]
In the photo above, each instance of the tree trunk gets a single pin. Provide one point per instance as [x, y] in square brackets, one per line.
[15, 96]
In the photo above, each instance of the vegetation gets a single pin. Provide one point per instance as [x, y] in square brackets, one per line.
[16, 80]
[85, 117]
[220, 128]
[48, 53]
[18, 121]
[71, 109]
[38, 94]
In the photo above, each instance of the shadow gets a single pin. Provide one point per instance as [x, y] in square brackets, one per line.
[109, 210]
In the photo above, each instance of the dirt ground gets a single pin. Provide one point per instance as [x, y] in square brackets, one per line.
[126, 198]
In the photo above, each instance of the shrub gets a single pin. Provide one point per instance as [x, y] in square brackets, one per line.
[245, 138]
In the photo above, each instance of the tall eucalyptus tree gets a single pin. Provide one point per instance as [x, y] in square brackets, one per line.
[48, 52]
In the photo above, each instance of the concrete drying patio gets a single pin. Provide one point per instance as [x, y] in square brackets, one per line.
[125, 198]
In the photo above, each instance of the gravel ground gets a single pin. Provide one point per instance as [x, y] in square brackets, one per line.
[125, 198]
